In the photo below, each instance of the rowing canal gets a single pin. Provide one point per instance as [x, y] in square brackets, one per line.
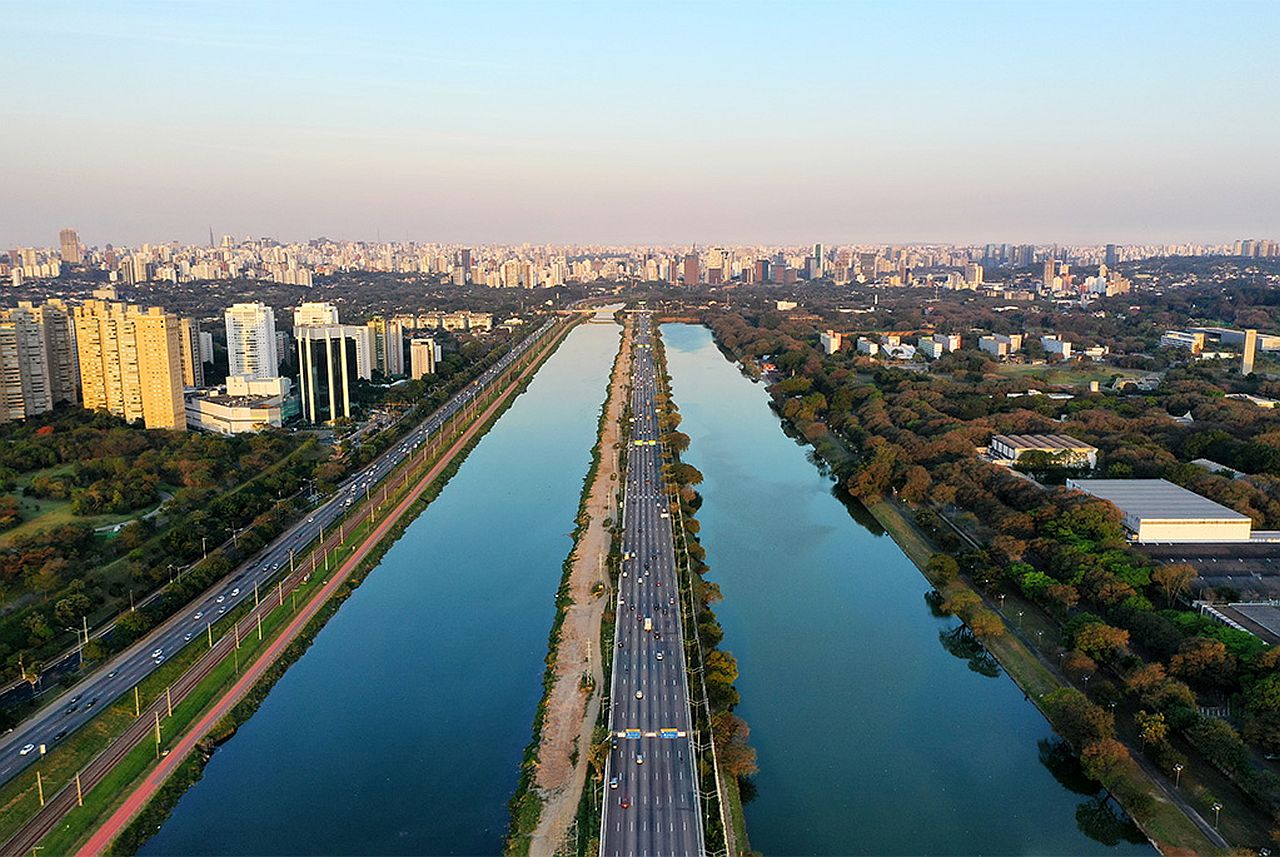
[401, 729]
[881, 728]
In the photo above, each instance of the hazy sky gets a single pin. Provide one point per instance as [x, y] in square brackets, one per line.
[636, 123]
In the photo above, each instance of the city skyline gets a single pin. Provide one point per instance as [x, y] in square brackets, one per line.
[712, 123]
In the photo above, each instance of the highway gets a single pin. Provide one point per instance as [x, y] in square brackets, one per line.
[650, 804]
[118, 676]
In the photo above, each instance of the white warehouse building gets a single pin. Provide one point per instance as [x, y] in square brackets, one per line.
[1156, 510]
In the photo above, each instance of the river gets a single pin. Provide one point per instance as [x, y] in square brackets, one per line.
[401, 729]
[880, 727]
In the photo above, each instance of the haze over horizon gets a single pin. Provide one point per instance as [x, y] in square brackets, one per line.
[642, 123]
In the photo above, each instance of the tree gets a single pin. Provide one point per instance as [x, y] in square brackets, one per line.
[942, 567]
[985, 624]
[1174, 580]
[1101, 641]
[1202, 660]
[1078, 720]
[1103, 760]
[1152, 728]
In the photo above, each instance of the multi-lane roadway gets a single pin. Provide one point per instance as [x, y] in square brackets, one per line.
[650, 805]
[52, 724]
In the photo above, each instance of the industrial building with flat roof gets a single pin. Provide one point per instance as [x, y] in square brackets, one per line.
[1156, 510]
[1008, 448]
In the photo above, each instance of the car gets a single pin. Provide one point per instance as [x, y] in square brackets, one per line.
[159, 660]
[235, 592]
[62, 734]
[221, 610]
[619, 644]
[71, 709]
[639, 694]
[27, 749]
[157, 653]
[657, 636]
[614, 742]
[199, 615]
[112, 674]
[187, 637]
[639, 758]
[659, 655]
[613, 782]
[311, 520]
[624, 803]
[221, 598]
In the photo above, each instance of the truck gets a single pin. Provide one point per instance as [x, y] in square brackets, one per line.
[648, 623]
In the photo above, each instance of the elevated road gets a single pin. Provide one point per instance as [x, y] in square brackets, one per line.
[651, 804]
[117, 677]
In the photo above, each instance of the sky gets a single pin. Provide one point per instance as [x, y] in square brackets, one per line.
[641, 123]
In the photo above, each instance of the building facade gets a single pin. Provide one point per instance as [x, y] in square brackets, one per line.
[251, 340]
[131, 362]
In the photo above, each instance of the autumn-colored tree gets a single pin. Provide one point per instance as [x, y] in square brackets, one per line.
[1101, 641]
[1152, 728]
[1078, 663]
[734, 754]
[1205, 661]
[915, 486]
[1174, 580]
[1103, 760]
[985, 624]
[962, 602]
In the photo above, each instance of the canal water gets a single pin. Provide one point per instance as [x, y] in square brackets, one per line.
[881, 727]
[401, 730]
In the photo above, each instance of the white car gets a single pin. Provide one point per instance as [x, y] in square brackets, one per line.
[199, 615]
[639, 694]
[221, 598]
[27, 749]
[659, 655]
[157, 653]
[235, 592]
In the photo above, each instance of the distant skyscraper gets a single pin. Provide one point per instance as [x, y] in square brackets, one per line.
[251, 340]
[820, 260]
[131, 362]
[1112, 257]
[71, 250]
[58, 330]
[691, 274]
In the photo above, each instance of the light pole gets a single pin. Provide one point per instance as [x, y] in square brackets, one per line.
[1217, 809]
[1177, 774]
[204, 547]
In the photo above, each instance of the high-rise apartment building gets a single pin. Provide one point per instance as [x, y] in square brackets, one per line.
[1113, 257]
[131, 362]
[54, 318]
[251, 339]
[72, 253]
[386, 338]
[423, 354]
[192, 363]
[315, 313]
[1249, 351]
[24, 370]
[691, 273]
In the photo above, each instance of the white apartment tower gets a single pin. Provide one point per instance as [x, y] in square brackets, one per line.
[251, 340]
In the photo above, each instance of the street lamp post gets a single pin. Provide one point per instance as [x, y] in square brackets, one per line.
[1177, 774]
[1217, 809]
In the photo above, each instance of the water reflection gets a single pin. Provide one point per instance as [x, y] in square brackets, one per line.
[1098, 818]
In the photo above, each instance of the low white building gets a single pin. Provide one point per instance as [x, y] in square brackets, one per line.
[830, 341]
[1000, 345]
[868, 346]
[1193, 342]
[930, 347]
[1156, 510]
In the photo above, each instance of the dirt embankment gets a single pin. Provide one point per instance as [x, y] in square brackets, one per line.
[571, 712]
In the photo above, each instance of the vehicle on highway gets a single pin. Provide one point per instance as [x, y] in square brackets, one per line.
[639, 758]
[659, 655]
[27, 749]
[624, 803]
[199, 615]
[187, 637]
[157, 653]
[639, 694]
[613, 782]
[648, 623]
[235, 592]
[221, 598]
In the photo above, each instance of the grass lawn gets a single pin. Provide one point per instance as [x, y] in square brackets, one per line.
[1065, 375]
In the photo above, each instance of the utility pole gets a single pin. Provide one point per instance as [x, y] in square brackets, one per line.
[255, 595]
[204, 547]
[280, 592]
[40, 788]
[236, 626]
[259, 627]
[79, 793]
[137, 703]
[208, 627]
[157, 734]
[291, 560]
[168, 700]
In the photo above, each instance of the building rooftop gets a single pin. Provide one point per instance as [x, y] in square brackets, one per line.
[1156, 499]
[1042, 441]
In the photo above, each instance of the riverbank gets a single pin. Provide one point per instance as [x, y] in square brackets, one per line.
[407, 504]
[1167, 821]
[556, 764]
